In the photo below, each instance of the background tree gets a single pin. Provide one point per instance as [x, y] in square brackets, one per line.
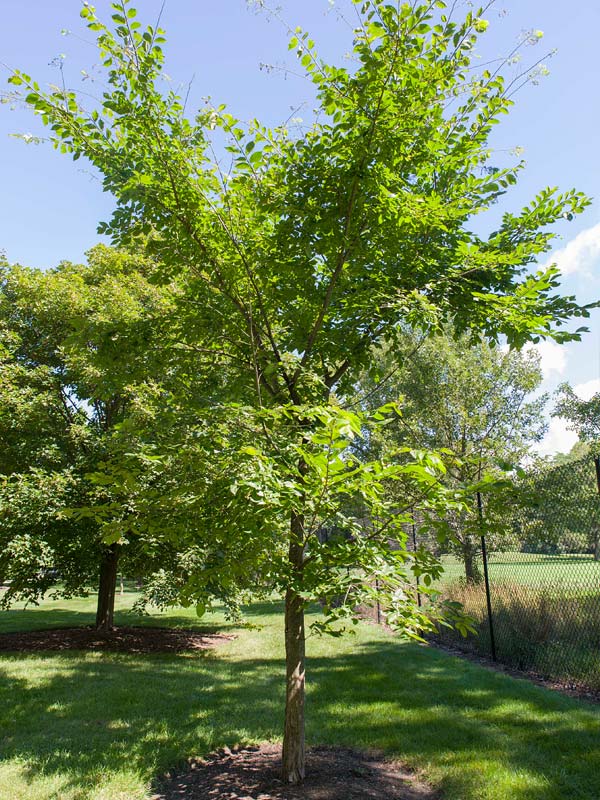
[577, 452]
[76, 343]
[559, 508]
[304, 253]
[583, 416]
[465, 396]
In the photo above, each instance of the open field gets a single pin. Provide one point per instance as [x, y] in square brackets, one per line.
[572, 573]
[99, 726]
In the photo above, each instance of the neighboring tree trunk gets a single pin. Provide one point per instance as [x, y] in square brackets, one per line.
[596, 542]
[472, 572]
[107, 588]
[293, 762]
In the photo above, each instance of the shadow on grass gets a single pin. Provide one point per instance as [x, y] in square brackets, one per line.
[265, 608]
[30, 619]
[441, 711]
[78, 716]
[101, 713]
[40, 619]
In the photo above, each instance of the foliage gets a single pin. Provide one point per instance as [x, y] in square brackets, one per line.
[462, 395]
[583, 416]
[558, 508]
[222, 501]
[577, 452]
[38, 544]
[76, 342]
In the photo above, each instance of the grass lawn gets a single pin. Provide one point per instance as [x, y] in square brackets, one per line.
[99, 726]
[574, 573]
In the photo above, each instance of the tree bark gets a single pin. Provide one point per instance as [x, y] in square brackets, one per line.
[293, 762]
[472, 572]
[596, 545]
[107, 589]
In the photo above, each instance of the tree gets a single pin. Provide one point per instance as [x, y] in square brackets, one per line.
[559, 509]
[576, 453]
[76, 343]
[583, 416]
[306, 252]
[463, 395]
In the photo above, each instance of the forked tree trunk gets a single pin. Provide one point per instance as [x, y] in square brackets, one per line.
[293, 761]
[107, 589]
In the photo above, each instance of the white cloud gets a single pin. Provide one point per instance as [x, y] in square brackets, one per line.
[558, 439]
[553, 357]
[581, 254]
[588, 389]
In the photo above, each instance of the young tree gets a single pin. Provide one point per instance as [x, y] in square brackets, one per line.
[463, 395]
[307, 251]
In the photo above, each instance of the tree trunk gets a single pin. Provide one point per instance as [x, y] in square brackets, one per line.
[596, 545]
[293, 762]
[107, 589]
[472, 572]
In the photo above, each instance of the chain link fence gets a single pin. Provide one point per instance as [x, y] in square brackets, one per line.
[535, 593]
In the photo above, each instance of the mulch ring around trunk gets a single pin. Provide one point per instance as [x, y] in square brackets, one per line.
[252, 773]
[122, 639]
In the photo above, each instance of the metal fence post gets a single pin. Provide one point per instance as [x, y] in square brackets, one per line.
[487, 579]
[414, 538]
[596, 531]
[378, 601]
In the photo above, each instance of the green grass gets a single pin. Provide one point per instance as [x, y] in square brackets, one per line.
[99, 726]
[574, 573]
[536, 629]
[82, 611]
[546, 612]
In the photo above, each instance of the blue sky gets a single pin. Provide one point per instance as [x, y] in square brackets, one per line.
[50, 206]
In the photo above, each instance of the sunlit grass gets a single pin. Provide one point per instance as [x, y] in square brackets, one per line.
[100, 726]
[572, 573]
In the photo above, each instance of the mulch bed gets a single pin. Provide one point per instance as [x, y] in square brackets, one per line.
[252, 773]
[123, 640]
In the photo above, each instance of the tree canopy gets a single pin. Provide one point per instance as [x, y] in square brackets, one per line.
[583, 416]
[78, 343]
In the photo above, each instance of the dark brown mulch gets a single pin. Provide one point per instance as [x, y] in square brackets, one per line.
[123, 639]
[252, 773]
